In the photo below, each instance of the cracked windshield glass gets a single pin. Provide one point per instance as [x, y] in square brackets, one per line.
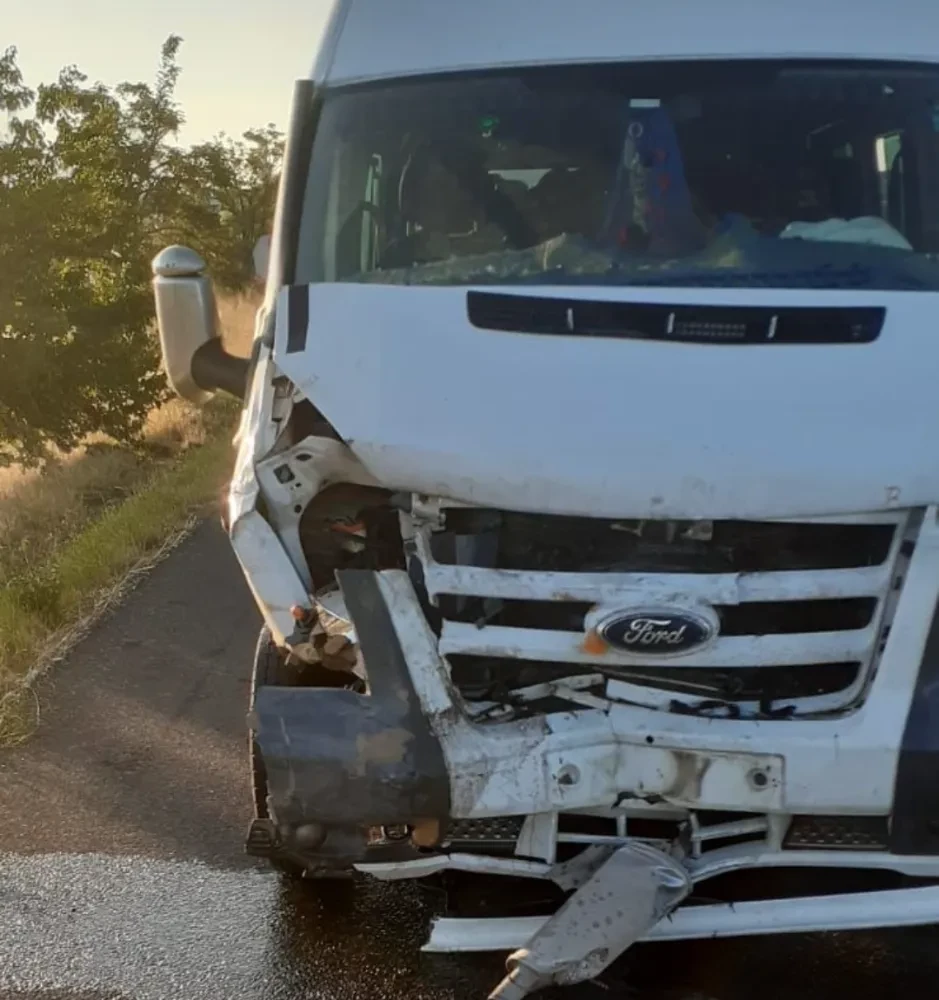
[463, 526]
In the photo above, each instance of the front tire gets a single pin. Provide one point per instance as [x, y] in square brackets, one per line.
[270, 669]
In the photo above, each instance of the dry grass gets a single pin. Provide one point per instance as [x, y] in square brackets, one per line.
[43, 613]
[40, 511]
[71, 533]
[237, 313]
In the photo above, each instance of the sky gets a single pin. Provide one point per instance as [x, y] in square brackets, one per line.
[239, 58]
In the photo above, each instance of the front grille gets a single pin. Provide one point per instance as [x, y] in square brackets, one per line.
[494, 830]
[493, 679]
[803, 607]
[753, 618]
[845, 833]
[580, 544]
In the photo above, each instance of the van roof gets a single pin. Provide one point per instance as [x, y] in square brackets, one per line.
[377, 39]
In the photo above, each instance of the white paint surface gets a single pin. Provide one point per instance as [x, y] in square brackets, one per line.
[382, 39]
[625, 428]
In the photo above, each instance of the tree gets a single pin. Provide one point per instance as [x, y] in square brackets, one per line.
[91, 187]
[85, 182]
[228, 202]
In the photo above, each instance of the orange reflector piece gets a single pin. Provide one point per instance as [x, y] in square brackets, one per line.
[593, 644]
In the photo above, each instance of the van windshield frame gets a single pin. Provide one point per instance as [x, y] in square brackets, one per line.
[816, 174]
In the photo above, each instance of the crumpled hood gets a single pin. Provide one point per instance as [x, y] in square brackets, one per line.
[617, 427]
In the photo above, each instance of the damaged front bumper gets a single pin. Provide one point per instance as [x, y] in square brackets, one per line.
[407, 753]
[340, 764]
[408, 757]
[411, 752]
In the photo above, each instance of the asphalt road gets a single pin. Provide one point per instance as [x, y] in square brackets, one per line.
[121, 868]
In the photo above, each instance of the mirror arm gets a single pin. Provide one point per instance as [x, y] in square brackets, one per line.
[214, 368]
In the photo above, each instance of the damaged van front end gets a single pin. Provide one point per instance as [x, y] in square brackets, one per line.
[583, 488]
[601, 704]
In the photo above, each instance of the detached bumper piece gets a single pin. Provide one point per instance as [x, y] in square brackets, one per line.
[339, 763]
[916, 907]
[619, 904]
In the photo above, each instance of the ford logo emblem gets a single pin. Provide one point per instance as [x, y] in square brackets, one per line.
[657, 631]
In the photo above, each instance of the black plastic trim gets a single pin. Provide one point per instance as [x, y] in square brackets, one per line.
[214, 368]
[298, 317]
[689, 324]
[347, 760]
[914, 828]
[304, 119]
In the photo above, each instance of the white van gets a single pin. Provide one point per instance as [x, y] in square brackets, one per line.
[584, 478]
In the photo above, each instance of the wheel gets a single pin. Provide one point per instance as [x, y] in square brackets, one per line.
[270, 669]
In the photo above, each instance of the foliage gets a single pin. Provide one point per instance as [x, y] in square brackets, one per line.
[241, 179]
[92, 185]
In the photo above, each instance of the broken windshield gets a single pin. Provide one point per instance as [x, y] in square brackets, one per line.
[734, 174]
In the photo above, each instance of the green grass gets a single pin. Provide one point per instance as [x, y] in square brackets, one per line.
[43, 596]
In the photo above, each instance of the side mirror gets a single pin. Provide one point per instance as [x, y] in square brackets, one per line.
[196, 363]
